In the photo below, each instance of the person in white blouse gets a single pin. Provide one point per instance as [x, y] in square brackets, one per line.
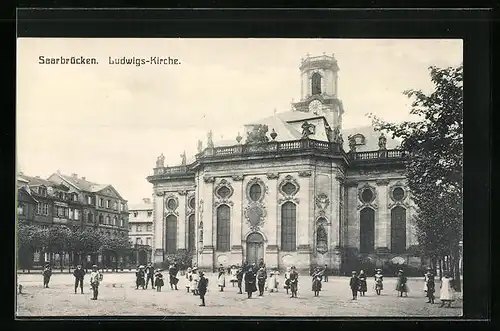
[95, 279]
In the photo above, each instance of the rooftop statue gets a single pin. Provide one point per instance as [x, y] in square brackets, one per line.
[160, 161]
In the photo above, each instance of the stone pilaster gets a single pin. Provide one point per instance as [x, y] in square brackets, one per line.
[303, 214]
[237, 211]
[383, 226]
[181, 224]
[158, 227]
[207, 258]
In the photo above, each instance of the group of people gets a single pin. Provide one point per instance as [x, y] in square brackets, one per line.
[359, 284]
[79, 273]
[446, 287]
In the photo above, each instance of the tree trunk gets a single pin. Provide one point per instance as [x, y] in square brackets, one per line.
[456, 271]
[440, 263]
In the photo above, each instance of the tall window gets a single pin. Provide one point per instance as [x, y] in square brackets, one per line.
[149, 228]
[321, 239]
[115, 205]
[115, 221]
[108, 220]
[139, 228]
[148, 241]
[101, 219]
[76, 214]
[108, 203]
[101, 202]
[398, 230]
[288, 226]
[90, 218]
[171, 246]
[45, 209]
[39, 208]
[223, 225]
[367, 230]
[191, 233]
[316, 83]
[122, 222]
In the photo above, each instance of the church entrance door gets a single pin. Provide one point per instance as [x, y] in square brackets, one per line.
[255, 248]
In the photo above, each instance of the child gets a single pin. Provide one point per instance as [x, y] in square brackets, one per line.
[221, 280]
[194, 281]
[294, 282]
[189, 279]
[401, 286]
[95, 279]
[286, 284]
[139, 278]
[159, 280]
[202, 287]
[362, 283]
[379, 278]
[354, 284]
[273, 281]
[47, 273]
[446, 290]
[316, 281]
[234, 272]
[431, 287]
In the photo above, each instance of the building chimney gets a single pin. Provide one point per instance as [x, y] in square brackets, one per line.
[74, 175]
[146, 200]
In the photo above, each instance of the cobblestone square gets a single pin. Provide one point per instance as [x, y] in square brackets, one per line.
[118, 297]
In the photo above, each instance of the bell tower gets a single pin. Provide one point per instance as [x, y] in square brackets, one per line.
[319, 89]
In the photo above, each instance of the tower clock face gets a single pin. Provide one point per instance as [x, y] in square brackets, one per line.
[315, 106]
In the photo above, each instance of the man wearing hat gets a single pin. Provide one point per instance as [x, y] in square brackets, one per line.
[250, 279]
[172, 272]
[47, 273]
[354, 285]
[379, 278]
[95, 279]
[79, 273]
[139, 277]
[261, 280]
[239, 277]
[150, 274]
[294, 282]
[431, 286]
[159, 280]
[202, 287]
[426, 276]
[401, 286]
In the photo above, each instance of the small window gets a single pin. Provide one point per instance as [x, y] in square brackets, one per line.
[192, 203]
[289, 188]
[149, 228]
[148, 241]
[139, 228]
[398, 194]
[108, 203]
[135, 214]
[171, 204]
[224, 192]
[150, 213]
[108, 220]
[367, 195]
[255, 192]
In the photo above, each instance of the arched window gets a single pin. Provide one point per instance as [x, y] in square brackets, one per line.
[367, 230]
[223, 224]
[321, 240]
[171, 235]
[115, 221]
[191, 233]
[316, 83]
[255, 192]
[398, 230]
[90, 218]
[108, 220]
[288, 226]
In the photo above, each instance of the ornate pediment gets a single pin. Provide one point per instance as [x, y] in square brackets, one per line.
[322, 201]
[398, 194]
[367, 196]
[255, 214]
[237, 178]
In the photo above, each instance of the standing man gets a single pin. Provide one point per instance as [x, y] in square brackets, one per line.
[239, 277]
[172, 271]
[325, 274]
[294, 282]
[202, 287]
[79, 273]
[354, 285]
[47, 273]
[261, 280]
[250, 279]
[139, 277]
[150, 275]
[95, 279]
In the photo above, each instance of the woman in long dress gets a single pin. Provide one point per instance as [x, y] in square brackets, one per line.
[234, 272]
[362, 283]
[446, 290]
[189, 279]
[401, 285]
[379, 281]
[194, 281]
[273, 281]
[221, 280]
[316, 281]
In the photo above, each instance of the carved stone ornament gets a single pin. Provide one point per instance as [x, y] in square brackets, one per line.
[382, 182]
[305, 174]
[223, 190]
[171, 203]
[263, 189]
[160, 193]
[322, 201]
[189, 208]
[237, 178]
[272, 176]
[255, 214]
[284, 188]
[209, 179]
[368, 198]
[182, 192]
[401, 202]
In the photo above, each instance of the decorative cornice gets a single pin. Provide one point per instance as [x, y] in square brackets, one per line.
[176, 199]
[286, 196]
[382, 182]
[209, 179]
[236, 248]
[237, 178]
[272, 247]
[182, 192]
[304, 247]
[351, 183]
[272, 176]
[228, 202]
[305, 173]
[339, 178]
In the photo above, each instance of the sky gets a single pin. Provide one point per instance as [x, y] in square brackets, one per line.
[109, 123]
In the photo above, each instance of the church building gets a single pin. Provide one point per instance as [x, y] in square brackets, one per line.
[296, 189]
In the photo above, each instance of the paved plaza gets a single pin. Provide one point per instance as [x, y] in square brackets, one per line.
[118, 297]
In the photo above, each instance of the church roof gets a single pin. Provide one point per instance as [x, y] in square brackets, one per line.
[83, 184]
[284, 130]
[36, 181]
[371, 139]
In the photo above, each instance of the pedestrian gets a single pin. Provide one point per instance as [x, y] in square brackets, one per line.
[316, 281]
[294, 282]
[150, 275]
[139, 277]
[401, 285]
[172, 271]
[47, 273]
[221, 279]
[79, 273]
[379, 279]
[261, 280]
[95, 279]
[431, 287]
[250, 282]
[362, 283]
[189, 278]
[286, 283]
[239, 277]
[273, 280]
[159, 280]
[446, 290]
[194, 281]
[354, 285]
[202, 287]
[234, 272]
[325, 273]
[426, 276]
